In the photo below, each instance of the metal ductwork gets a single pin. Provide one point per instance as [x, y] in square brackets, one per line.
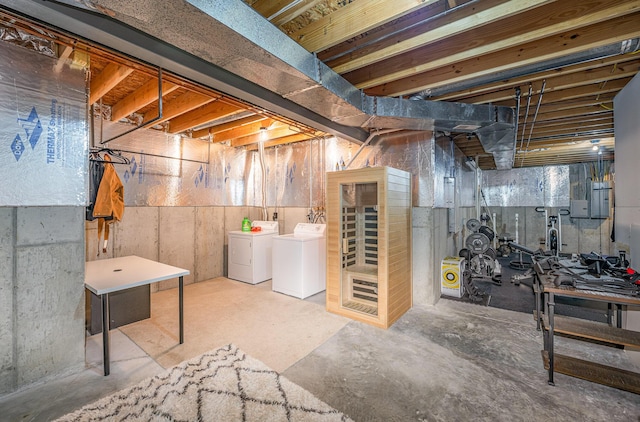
[229, 47]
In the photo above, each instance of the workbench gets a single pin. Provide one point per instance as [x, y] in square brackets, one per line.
[584, 330]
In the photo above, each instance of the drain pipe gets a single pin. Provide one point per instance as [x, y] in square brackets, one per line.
[515, 130]
[526, 114]
[311, 213]
[366, 142]
[535, 118]
[265, 216]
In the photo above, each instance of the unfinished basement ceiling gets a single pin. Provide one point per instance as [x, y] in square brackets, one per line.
[455, 60]
[568, 59]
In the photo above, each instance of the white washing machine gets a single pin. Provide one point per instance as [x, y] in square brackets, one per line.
[249, 258]
[300, 261]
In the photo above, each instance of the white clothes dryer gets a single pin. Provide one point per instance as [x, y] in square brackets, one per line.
[250, 253]
[300, 261]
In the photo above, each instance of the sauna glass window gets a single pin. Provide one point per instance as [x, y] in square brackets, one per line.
[359, 232]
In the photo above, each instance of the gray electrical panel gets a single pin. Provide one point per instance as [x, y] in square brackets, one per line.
[599, 202]
[579, 208]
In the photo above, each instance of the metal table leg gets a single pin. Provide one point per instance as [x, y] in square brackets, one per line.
[105, 332]
[550, 306]
[181, 300]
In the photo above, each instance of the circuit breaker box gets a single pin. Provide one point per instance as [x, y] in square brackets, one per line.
[599, 203]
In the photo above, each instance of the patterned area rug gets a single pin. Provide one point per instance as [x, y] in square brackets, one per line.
[222, 385]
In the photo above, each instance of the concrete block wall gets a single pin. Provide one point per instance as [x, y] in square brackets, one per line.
[42, 294]
[194, 238]
[188, 237]
[432, 242]
[7, 252]
[579, 235]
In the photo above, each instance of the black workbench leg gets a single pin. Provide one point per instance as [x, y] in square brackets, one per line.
[105, 332]
[550, 306]
[181, 300]
[536, 291]
[618, 315]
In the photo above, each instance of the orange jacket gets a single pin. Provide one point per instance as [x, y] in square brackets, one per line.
[110, 197]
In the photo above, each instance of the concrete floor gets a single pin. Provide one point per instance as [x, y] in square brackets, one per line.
[452, 361]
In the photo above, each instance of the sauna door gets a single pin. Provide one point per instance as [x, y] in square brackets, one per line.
[359, 233]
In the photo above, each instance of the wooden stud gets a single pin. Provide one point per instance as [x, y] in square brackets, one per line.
[110, 76]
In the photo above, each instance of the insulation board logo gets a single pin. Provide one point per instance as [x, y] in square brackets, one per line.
[32, 129]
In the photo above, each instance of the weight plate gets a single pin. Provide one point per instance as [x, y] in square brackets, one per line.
[487, 231]
[473, 224]
[491, 253]
[477, 243]
[464, 253]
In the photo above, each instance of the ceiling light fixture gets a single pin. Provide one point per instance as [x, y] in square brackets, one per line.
[263, 133]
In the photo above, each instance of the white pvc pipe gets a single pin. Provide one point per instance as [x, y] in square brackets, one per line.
[517, 228]
[546, 230]
[265, 216]
[495, 232]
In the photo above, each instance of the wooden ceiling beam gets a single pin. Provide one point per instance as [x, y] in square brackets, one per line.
[621, 62]
[408, 26]
[354, 19]
[458, 67]
[111, 75]
[587, 91]
[267, 8]
[284, 140]
[573, 129]
[64, 52]
[577, 107]
[574, 126]
[576, 120]
[534, 160]
[182, 104]
[214, 110]
[583, 111]
[141, 97]
[577, 142]
[293, 11]
[572, 80]
[278, 132]
[248, 130]
[213, 130]
[457, 22]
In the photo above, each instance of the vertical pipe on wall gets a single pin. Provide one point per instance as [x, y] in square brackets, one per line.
[310, 215]
[265, 216]
[546, 230]
[275, 210]
[495, 231]
[478, 187]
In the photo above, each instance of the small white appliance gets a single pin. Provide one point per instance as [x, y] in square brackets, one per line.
[250, 253]
[300, 261]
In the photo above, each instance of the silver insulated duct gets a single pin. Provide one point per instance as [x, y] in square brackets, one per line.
[226, 45]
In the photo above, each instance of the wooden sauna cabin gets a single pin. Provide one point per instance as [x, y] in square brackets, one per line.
[369, 244]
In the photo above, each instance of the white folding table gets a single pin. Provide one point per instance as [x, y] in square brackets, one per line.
[106, 276]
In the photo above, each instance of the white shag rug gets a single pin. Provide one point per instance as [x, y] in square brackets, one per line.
[222, 385]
